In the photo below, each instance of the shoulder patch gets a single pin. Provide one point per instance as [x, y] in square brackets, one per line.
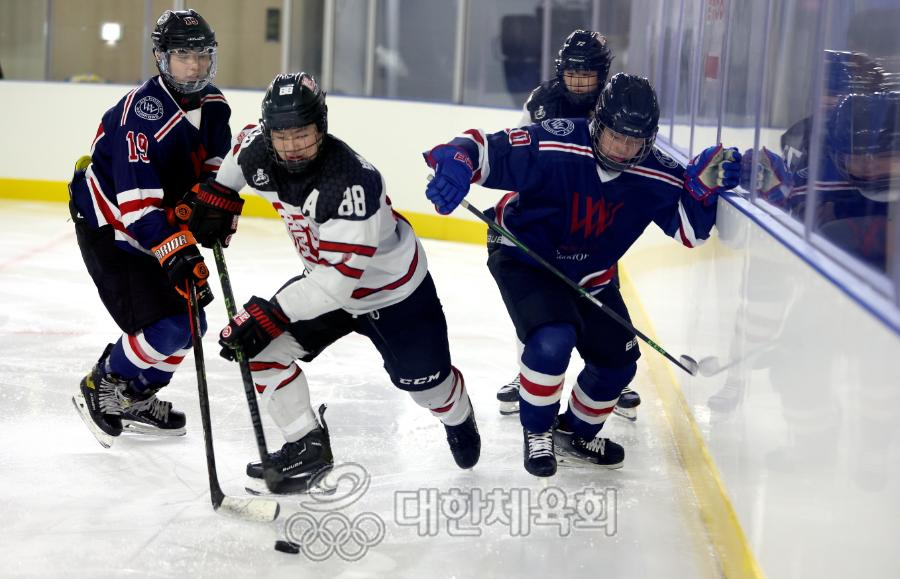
[558, 127]
[149, 108]
[519, 137]
[664, 160]
[540, 113]
[260, 178]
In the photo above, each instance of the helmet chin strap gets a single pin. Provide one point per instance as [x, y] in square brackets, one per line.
[187, 102]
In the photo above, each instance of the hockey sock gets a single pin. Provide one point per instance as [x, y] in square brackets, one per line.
[152, 354]
[448, 401]
[542, 373]
[594, 396]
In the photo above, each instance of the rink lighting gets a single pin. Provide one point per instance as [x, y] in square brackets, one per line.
[111, 32]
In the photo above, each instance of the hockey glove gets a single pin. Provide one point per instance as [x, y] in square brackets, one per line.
[773, 181]
[452, 177]
[210, 210]
[715, 169]
[181, 260]
[253, 328]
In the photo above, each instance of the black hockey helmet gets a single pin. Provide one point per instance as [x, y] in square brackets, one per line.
[863, 138]
[627, 106]
[584, 51]
[184, 31]
[293, 100]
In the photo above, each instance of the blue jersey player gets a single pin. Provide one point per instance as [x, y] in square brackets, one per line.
[585, 191]
[156, 144]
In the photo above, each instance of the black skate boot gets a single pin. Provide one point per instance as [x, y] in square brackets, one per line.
[465, 442]
[144, 413]
[508, 395]
[97, 402]
[539, 457]
[577, 450]
[303, 458]
[627, 405]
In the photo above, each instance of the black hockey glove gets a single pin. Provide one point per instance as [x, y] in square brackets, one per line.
[181, 260]
[211, 211]
[253, 328]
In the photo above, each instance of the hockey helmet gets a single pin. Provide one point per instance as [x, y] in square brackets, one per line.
[179, 33]
[864, 143]
[584, 51]
[627, 111]
[293, 100]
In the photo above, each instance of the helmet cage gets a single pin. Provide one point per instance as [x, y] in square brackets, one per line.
[301, 105]
[164, 64]
[597, 128]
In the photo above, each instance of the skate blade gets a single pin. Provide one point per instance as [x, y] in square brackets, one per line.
[141, 428]
[569, 461]
[627, 413]
[105, 440]
[289, 486]
[507, 408]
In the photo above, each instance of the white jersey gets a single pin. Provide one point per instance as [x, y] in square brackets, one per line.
[358, 253]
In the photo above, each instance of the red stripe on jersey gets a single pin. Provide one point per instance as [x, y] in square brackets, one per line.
[601, 279]
[587, 409]
[98, 136]
[160, 134]
[103, 205]
[126, 106]
[656, 175]
[501, 205]
[365, 250]
[138, 204]
[212, 97]
[567, 148]
[362, 292]
[475, 134]
[260, 366]
[684, 238]
[139, 352]
[539, 389]
[346, 269]
[174, 360]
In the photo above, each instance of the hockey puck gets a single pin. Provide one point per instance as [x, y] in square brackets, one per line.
[287, 547]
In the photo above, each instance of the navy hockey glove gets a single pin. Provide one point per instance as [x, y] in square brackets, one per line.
[210, 210]
[253, 328]
[452, 177]
[181, 260]
[715, 169]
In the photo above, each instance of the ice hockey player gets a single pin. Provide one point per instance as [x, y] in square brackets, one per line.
[585, 193]
[365, 272]
[581, 71]
[150, 149]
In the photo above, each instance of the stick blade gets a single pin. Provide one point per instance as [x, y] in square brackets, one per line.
[690, 365]
[253, 509]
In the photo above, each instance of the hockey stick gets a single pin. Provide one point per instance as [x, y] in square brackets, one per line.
[271, 476]
[252, 508]
[686, 363]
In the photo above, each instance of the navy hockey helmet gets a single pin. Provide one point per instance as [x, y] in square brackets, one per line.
[863, 138]
[626, 118]
[182, 34]
[584, 51]
[851, 72]
[293, 100]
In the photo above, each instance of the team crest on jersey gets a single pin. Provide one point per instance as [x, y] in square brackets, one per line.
[664, 160]
[540, 113]
[558, 127]
[149, 108]
[260, 178]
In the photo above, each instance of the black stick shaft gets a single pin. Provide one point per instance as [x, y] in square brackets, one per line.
[215, 490]
[622, 321]
[272, 478]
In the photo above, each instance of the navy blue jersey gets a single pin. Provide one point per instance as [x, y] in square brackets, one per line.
[574, 214]
[146, 155]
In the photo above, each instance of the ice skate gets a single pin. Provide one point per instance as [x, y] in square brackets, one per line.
[508, 395]
[465, 442]
[539, 458]
[303, 458]
[627, 405]
[575, 450]
[144, 413]
[98, 404]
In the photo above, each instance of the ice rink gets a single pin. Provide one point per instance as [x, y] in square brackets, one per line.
[141, 508]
